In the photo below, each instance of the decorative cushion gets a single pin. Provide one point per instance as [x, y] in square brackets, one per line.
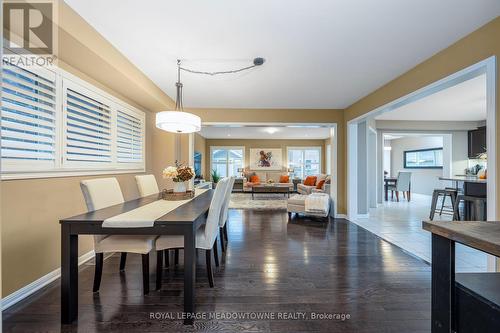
[320, 184]
[322, 176]
[284, 179]
[254, 179]
[310, 181]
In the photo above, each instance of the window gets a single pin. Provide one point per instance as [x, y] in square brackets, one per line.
[55, 124]
[227, 160]
[305, 161]
[28, 119]
[423, 159]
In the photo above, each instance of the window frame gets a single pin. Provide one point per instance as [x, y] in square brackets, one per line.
[318, 148]
[405, 166]
[62, 168]
[212, 148]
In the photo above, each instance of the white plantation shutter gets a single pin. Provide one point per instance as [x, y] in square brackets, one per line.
[28, 118]
[55, 124]
[130, 132]
[88, 130]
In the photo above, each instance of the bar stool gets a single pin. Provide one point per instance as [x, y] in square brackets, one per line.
[478, 205]
[436, 194]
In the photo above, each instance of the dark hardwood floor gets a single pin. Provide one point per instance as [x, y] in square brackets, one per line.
[271, 266]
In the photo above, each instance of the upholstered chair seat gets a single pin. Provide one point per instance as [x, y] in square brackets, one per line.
[126, 243]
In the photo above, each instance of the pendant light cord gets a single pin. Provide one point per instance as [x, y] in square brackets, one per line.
[256, 62]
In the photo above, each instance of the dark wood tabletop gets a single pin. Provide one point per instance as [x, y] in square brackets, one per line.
[484, 236]
[187, 213]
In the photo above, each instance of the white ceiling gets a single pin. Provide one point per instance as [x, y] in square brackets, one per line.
[264, 133]
[463, 102]
[319, 54]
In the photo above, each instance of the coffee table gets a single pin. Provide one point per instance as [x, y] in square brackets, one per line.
[271, 188]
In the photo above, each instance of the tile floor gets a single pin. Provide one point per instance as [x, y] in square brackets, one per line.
[401, 224]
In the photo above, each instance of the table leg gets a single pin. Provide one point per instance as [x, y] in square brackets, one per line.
[386, 192]
[69, 275]
[189, 275]
[443, 284]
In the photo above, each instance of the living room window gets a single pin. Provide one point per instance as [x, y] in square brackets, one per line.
[305, 161]
[227, 160]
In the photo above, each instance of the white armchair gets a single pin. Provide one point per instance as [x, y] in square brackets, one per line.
[147, 185]
[101, 193]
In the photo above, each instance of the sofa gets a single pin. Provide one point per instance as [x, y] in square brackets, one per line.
[264, 177]
[308, 189]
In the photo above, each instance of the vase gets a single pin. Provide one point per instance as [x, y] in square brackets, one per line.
[179, 187]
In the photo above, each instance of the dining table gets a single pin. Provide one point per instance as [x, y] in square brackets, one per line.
[388, 181]
[183, 220]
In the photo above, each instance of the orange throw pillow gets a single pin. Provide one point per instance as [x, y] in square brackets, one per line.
[310, 180]
[284, 179]
[254, 179]
[319, 186]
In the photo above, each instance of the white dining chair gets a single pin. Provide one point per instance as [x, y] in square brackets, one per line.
[403, 184]
[147, 185]
[224, 215]
[101, 193]
[206, 235]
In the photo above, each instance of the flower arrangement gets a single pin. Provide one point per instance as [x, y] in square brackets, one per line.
[178, 173]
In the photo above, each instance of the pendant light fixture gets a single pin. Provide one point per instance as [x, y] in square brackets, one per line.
[179, 121]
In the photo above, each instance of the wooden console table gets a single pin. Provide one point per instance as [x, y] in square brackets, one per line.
[448, 300]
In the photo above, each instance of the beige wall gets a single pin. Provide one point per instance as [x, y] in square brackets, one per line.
[254, 143]
[477, 46]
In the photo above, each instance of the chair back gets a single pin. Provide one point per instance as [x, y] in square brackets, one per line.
[101, 193]
[212, 224]
[403, 182]
[147, 185]
[227, 199]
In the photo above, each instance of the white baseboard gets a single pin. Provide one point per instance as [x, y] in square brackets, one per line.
[36, 285]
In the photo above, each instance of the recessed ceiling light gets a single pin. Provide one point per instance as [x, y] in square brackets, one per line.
[271, 130]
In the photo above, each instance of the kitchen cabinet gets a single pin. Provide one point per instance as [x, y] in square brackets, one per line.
[477, 142]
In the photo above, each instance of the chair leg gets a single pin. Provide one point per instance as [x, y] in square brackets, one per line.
[404, 195]
[145, 273]
[408, 196]
[99, 260]
[216, 254]
[159, 268]
[123, 260]
[176, 257]
[433, 206]
[166, 254]
[225, 233]
[221, 237]
[208, 256]
[456, 207]
[442, 205]
[392, 195]
[397, 196]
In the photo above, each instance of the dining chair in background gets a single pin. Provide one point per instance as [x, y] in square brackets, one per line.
[101, 193]
[206, 235]
[147, 185]
[402, 184]
[224, 215]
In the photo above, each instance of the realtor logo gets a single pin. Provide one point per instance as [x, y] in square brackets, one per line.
[28, 27]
